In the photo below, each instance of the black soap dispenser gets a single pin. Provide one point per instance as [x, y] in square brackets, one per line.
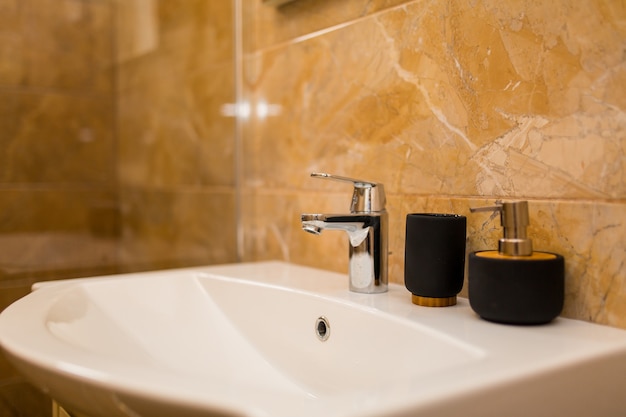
[515, 284]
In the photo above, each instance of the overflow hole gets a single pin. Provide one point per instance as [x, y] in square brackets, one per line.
[322, 328]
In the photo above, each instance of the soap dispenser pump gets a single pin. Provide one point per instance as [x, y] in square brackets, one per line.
[515, 284]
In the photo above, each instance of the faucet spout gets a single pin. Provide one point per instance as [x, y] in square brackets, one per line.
[355, 225]
[368, 245]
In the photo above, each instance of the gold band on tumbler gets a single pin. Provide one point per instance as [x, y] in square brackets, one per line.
[433, 301]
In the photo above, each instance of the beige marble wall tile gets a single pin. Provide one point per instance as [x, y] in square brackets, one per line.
[56, 138]
[174, 228]
[401, 90]
[136, 28]
[47, 209]
[172, 127]
[58, 44]
[52, 233]
[205, 27]
[11, 43]
[198, 32]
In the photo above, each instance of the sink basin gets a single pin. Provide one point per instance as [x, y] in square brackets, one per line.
[275, 339]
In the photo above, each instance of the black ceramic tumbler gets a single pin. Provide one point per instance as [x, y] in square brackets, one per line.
[434, 257]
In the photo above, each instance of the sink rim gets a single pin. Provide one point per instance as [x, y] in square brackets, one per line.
[599, 340]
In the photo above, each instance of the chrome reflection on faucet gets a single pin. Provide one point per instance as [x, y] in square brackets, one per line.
[367, 229]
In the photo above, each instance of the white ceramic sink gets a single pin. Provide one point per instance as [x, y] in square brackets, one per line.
[242, 340]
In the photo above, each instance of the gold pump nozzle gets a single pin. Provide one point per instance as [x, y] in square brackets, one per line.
[514, 219]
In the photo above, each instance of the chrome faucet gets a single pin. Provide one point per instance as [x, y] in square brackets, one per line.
[366, 226]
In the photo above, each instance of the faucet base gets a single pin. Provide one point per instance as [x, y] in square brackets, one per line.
[372, 289]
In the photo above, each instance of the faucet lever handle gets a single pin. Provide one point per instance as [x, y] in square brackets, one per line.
[367, 196]
[353, 181]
